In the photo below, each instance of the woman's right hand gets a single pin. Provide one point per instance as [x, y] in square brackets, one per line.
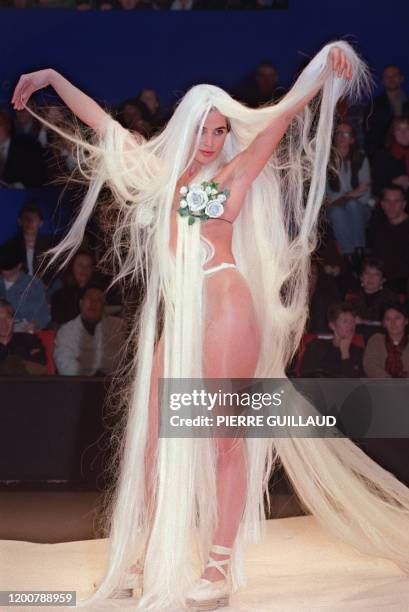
[28, 84]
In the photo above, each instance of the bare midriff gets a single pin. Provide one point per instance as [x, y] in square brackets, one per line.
[218, 231]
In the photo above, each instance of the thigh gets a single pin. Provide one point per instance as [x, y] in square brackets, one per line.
[231, 342]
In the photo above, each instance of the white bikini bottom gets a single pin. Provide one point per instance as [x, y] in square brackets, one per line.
[220, 266]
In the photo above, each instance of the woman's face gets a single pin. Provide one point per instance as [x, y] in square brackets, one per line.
[82, 269]
[371, 279]
[344, 136]
[212, 138]
[394, 322]
[401, 133]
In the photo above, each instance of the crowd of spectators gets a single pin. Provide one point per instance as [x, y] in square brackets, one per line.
[359, 281]
[72, 307]
[156, 5]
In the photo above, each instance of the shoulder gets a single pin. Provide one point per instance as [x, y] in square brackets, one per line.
[375, 341]
[68, 328]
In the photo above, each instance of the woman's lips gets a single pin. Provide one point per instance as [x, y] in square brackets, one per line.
[207, 153]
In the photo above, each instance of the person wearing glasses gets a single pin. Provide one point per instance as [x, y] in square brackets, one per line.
[349, 195]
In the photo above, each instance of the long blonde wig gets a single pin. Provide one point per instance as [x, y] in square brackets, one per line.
[273, 238]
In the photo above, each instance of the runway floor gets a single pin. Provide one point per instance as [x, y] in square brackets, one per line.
[297, 567]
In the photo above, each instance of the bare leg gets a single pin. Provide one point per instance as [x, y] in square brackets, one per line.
[231, 349]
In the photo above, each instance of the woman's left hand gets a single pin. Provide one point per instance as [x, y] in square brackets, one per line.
[339, 63]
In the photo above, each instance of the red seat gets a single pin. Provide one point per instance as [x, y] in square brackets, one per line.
[47, 337]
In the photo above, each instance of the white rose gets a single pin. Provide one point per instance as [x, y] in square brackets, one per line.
[144, 215]
[197, 198]
[222, 198]
[183, 203]
[214, 209]
[213, 191]
[183, 191]
[208, 190]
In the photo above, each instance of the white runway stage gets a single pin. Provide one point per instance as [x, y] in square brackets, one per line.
[297, 567]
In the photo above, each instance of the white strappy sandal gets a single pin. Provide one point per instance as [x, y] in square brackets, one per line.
[208, 595]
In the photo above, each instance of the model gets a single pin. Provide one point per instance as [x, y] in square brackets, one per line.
[218, 213]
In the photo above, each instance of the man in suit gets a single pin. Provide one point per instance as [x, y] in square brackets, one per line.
[32, 244]
[21, 158]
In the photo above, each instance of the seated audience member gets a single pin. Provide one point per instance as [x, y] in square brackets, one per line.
[90, 344]
[65, 302]
[155, 115]
[334, 267]
[388, 238]
[261, 87]
[25, 293]
[337, 357]
[25, 124]
[323, 292]
[20, 353]
[134, 116]
[391, 165]
[387, 355]
[59, 155]
[370, 300]
[348, 195]
[30, 241]
[380, 112]
[21, 158]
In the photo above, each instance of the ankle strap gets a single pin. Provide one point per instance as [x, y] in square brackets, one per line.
[221, 550]
[218, 563]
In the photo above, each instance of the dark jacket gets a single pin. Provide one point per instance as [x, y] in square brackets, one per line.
[42, 244]
[386, 167]
[323, 359]
[25, 163]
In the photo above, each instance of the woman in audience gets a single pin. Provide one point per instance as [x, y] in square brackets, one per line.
[387, 355]
[370, 300]
[348, 194]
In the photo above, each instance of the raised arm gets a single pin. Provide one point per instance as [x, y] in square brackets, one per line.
[84, 107]
[253, 159]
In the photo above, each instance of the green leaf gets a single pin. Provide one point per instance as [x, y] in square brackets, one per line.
[183, 212]
[191, 220]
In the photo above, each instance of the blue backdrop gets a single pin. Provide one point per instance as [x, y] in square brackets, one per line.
[112, 55]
